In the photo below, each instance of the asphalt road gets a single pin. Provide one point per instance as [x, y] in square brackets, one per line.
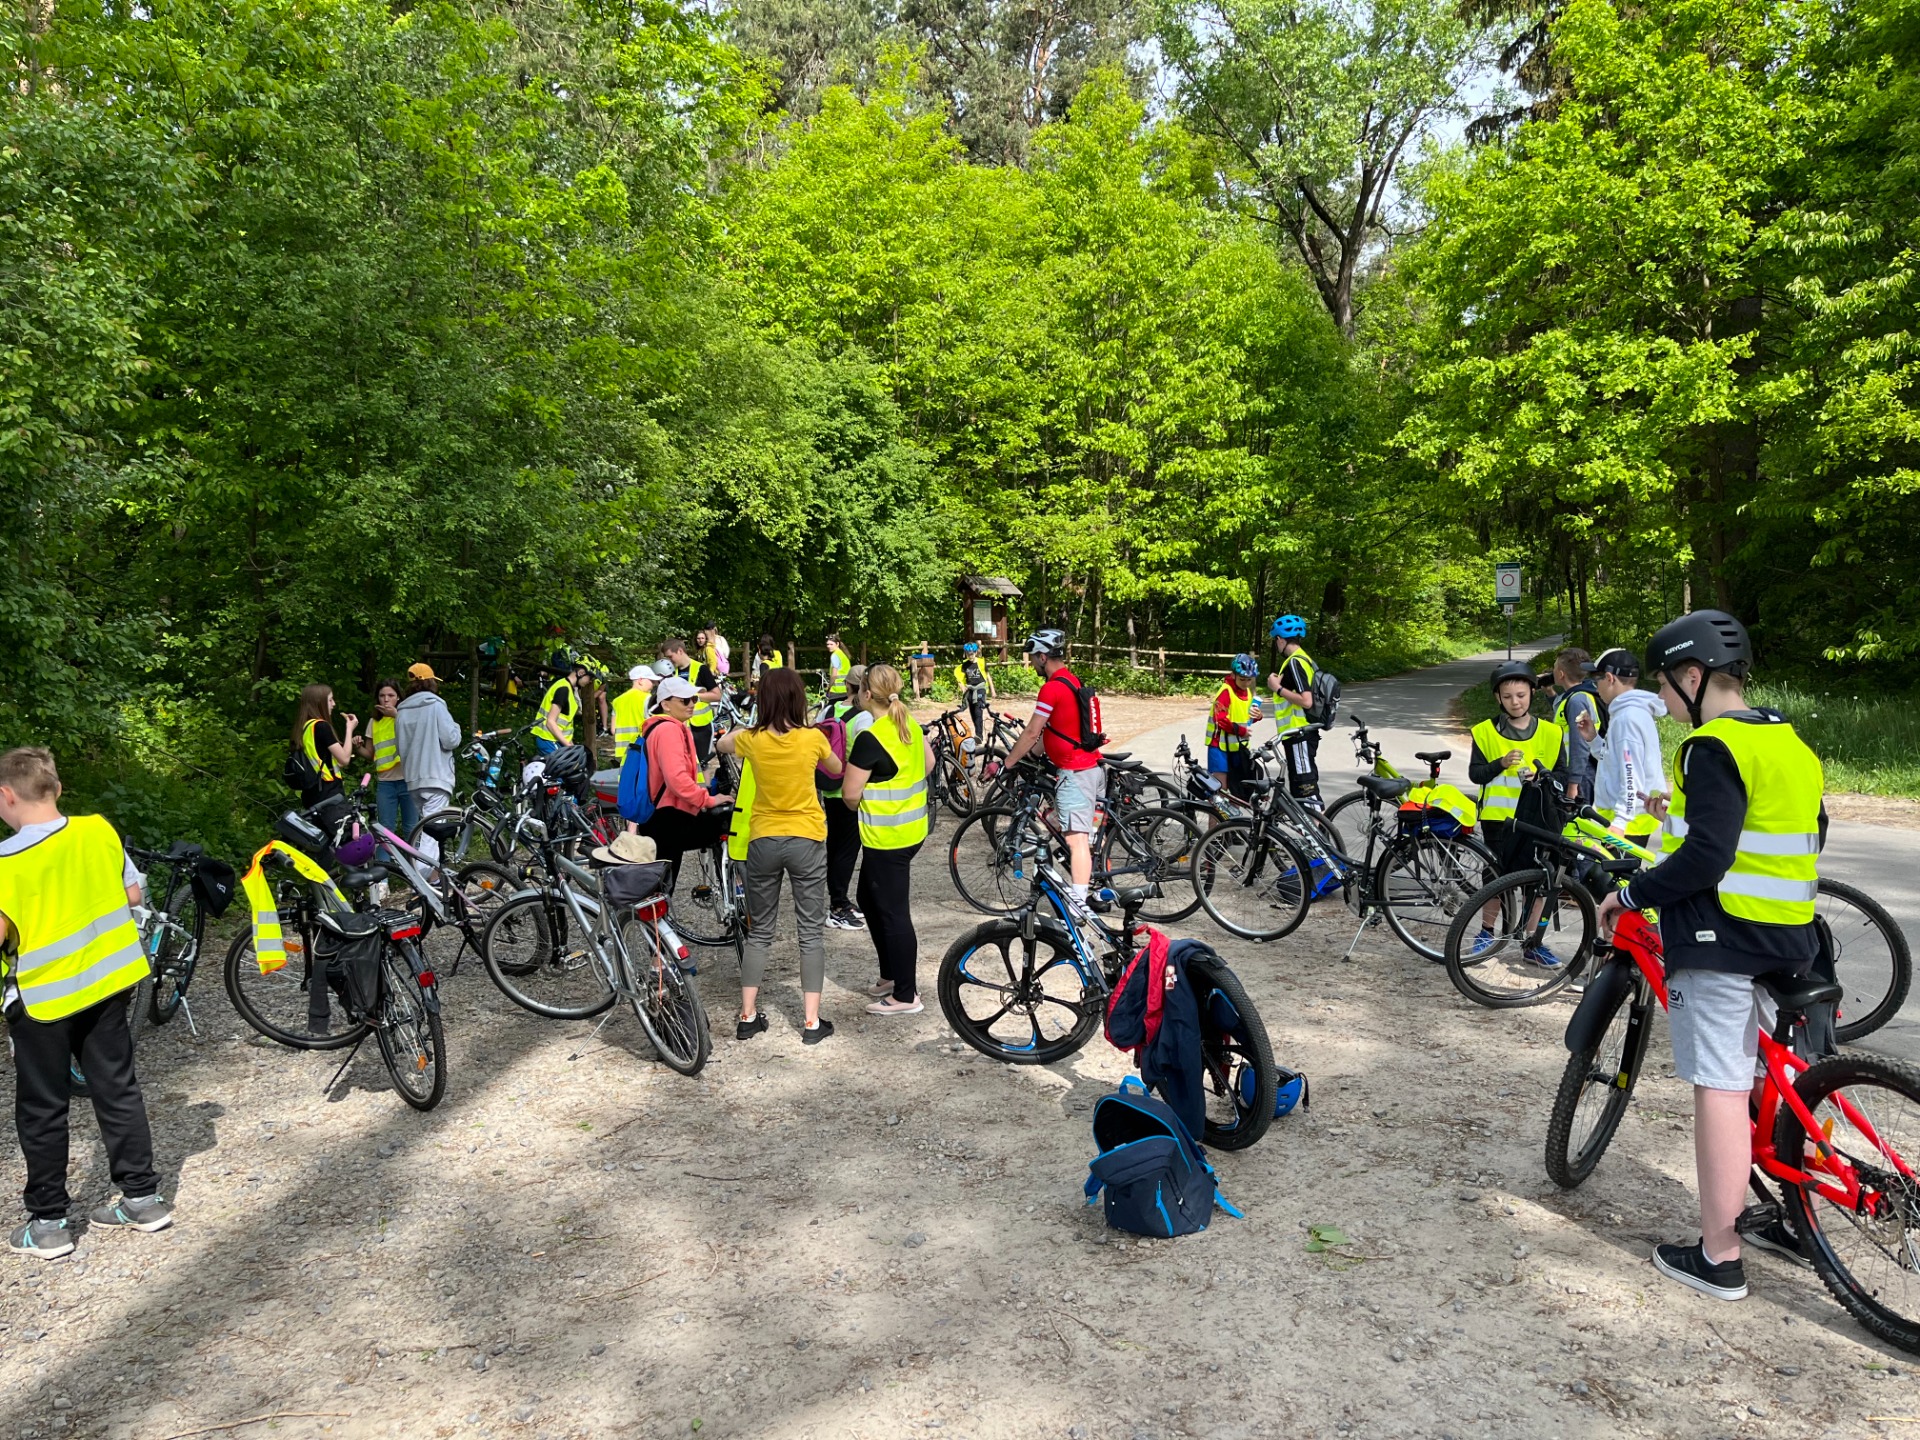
[1414, 712]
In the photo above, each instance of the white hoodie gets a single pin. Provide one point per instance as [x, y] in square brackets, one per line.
[1629, 755]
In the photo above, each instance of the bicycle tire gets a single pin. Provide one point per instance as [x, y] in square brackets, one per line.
[701, 918]
[1501, 977]
[1892, 993]
[970, 971]
[1161, 843]
[991, 858]
[1348, 818]
[518, 947]
[1614, 1059]
[665, 998]
[1447, 871]
[171, 976]
[1250, 879]
[249, 999]
[1235, 1050]
[957, 791]
[412, 1043]
[1894, 1231]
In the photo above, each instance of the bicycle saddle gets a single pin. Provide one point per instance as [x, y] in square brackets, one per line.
[1433, 757]
[444, 824]
[360, 879]
[1382, 788]
[1256, 786]
[184, 850]
[1796, 994]
[1133, 897]
[1621, 865]
[1116, 755]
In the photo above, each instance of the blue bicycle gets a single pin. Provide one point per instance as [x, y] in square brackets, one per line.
[1031, 987]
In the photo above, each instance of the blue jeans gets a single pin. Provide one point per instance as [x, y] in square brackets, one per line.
[394, 803]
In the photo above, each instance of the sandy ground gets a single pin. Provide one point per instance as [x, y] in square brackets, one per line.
[883, 1235]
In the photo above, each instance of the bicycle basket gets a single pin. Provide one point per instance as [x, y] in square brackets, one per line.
[213, 885]
[631, 884]
[349, 949]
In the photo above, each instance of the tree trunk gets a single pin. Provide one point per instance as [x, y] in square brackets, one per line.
[473, 686]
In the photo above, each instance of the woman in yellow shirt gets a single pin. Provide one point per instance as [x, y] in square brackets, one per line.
[787, 837]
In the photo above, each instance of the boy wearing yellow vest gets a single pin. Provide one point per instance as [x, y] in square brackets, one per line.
[1736, 892]
[1509, 750]
[70, 952]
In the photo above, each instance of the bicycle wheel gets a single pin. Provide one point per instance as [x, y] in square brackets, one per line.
[411, 1041]
[275, 1004]
[175, 962]
[1348, 819]
[666, 1000]
[540, 963]
[1242, 1081]
[1153, 846]
[1595, 1088]
[700, 910]
[1870, 955]
[1251, 881]
[1529, 917]
[993, 857]
[957, 789]
[1423, 881]
[1021, 1001]
[1867, 1249]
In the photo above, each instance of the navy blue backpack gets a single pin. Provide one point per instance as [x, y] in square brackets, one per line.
[1154, 1175]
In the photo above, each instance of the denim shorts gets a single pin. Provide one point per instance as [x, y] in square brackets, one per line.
[1076, 793]
[1715, 1021]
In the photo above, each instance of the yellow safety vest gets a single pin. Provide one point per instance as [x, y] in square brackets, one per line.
[571, 708]
[629, 714]
[1239, 709]
[325, 766]
[269, 943]
[1500, 796]
[1775, 877]
[1638, 828]
[1448, 799]
[65, 899]
[837, 667]
[702, 710]
[1287, 715]
[893, 813]
[386, 745]
[742, 814]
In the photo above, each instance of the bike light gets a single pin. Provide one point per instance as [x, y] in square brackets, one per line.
[680, 952]
[408, 932]
[426, 977]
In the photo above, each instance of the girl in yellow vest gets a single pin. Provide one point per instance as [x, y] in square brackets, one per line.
[72, 958]
[380, 745]
[328, 755]
[886, 784]
[1509, 750]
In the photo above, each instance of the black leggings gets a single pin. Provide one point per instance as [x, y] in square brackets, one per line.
[98, 1038]
[843, 850]
[674, 832]
[886, 878]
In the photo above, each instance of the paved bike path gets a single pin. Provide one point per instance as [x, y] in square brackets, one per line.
[1415, 712]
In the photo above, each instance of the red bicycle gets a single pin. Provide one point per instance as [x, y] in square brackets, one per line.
[1832, 1131]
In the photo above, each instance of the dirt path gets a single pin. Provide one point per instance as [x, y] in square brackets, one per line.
[883, 1235]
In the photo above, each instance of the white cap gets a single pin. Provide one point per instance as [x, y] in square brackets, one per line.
[640, 672]
[674, 688]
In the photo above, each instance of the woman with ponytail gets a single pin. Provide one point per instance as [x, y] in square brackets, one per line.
[886, 785]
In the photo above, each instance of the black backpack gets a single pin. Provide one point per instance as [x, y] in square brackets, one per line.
[1325, 696]
[1154, 1174]
[298, 773]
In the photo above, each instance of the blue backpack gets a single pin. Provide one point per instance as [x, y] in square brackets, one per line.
[1154, 1174]
[638, 798]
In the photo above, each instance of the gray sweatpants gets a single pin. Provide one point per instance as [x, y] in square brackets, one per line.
[768, 859]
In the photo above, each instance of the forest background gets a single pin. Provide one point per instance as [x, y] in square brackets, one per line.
[335, 332]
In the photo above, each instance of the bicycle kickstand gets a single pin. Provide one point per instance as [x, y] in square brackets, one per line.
[334, 1079]
[191, 1027]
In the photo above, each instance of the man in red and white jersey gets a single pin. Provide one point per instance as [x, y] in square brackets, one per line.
[1066, 722]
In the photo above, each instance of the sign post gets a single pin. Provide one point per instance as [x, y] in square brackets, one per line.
[1506, 592]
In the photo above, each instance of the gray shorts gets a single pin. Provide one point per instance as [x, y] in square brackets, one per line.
[1075, 794]
[1715, 1020]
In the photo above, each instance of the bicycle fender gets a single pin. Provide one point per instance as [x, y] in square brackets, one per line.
[1604, 991]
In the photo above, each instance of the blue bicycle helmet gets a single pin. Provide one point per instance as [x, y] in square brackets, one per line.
[1289, 627]
[972, 647]
[1245, 666]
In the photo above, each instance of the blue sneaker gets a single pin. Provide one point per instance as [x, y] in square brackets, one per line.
[1543, 957]
[1482, 942]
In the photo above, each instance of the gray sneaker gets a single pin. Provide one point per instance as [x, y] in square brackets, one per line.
[148, 1212]
[47, 1239]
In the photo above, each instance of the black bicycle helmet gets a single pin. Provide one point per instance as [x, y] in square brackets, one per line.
[1047, 642]
[1712, 639]
[1510, 670]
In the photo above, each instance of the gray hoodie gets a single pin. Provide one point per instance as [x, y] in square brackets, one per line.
[423, 728]
[1629, 754]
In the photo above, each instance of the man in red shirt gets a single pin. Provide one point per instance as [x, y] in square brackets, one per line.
[1080, 784]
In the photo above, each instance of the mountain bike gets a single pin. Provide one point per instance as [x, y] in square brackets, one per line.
[173, 926]
[1839, 1134]
[1031, 987]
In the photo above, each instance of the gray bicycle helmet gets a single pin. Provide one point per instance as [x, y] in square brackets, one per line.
[1712, 639]
[1047, 642]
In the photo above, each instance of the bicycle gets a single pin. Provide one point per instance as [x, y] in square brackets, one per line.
[172, 929]
[1257, 876]
[362, 955]
[1825, 1128]
[1342, 814]
[1044, 1005]
[714, 913]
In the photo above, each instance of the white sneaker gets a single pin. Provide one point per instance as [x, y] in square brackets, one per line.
[895, 1007]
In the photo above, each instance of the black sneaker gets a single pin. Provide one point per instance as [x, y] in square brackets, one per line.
[817, 1034]
[1777, 1237]
[1689, 1265]
[747, 1029]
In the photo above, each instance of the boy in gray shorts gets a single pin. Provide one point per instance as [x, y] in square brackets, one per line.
[1742, 833]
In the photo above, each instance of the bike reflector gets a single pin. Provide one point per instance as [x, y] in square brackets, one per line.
[426, 978]
[654, 909]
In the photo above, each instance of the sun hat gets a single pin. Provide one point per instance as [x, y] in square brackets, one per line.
[625, 849]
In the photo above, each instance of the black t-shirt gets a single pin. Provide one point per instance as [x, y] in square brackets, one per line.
[699, 676]
[323, 742]
[870, 755]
